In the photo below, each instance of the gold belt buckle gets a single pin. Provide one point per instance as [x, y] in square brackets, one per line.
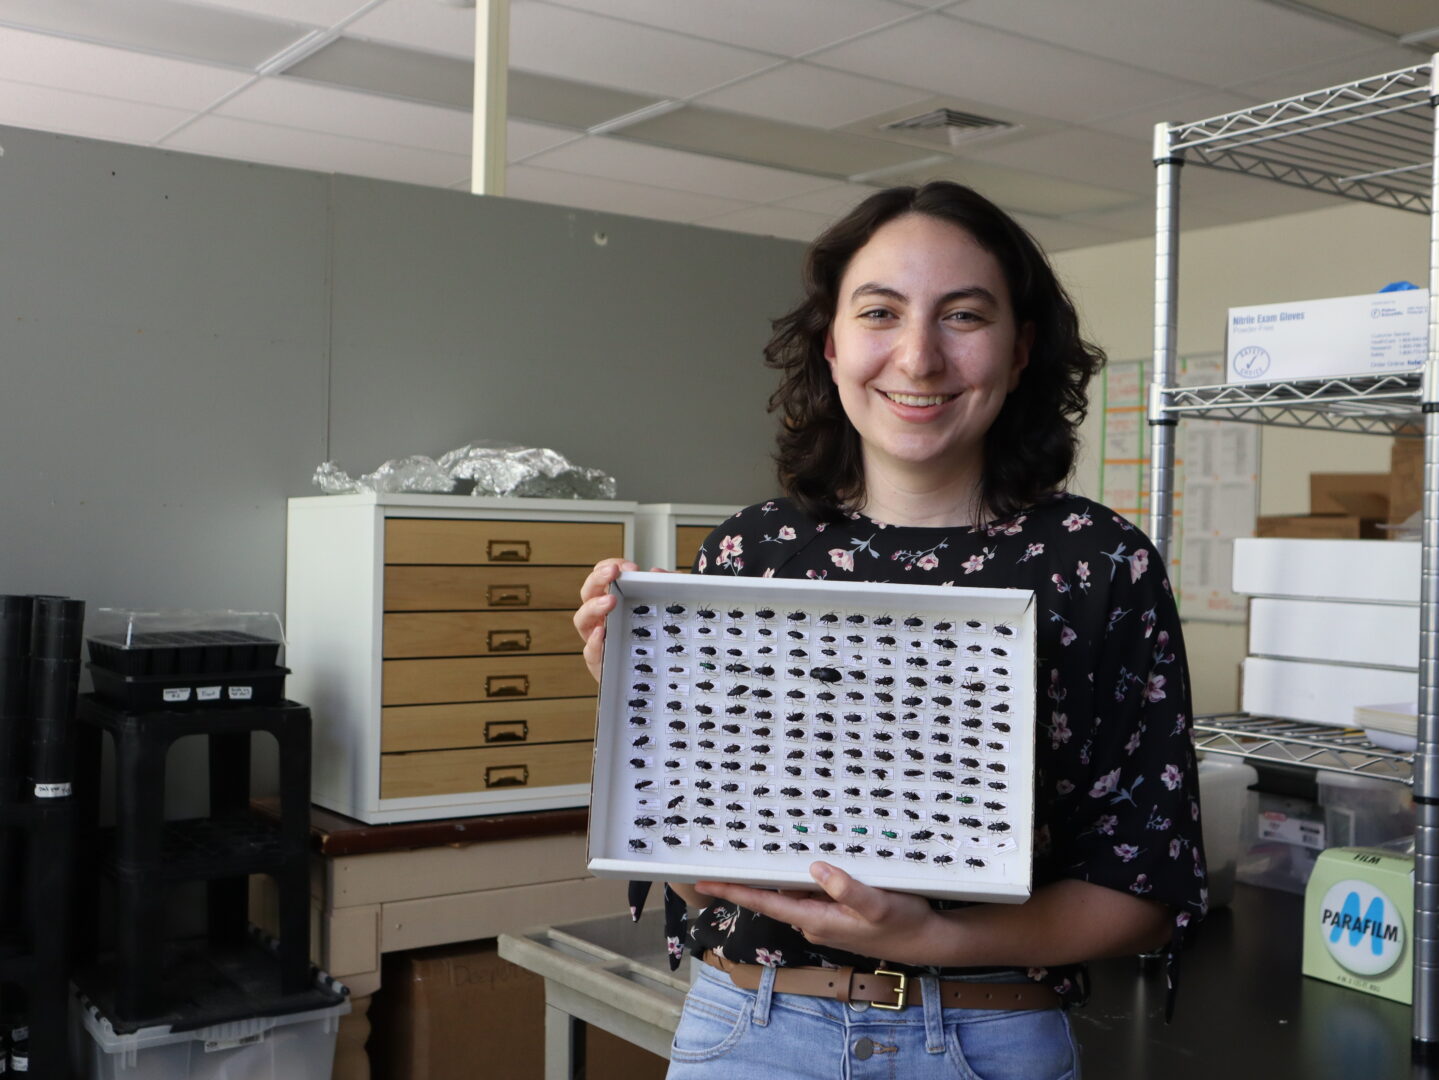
[900, 993]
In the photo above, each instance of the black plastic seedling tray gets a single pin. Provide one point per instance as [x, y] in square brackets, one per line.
[184, 652]
[189, 690]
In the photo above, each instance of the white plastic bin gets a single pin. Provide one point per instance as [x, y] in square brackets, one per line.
[300, 1046]
[1224, 798]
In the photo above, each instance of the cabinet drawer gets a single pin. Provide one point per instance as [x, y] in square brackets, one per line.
[498, 543]
[498, 678]
[483, 588]
[478, 724]
[688, 539]
[452, 772]
[473, 633]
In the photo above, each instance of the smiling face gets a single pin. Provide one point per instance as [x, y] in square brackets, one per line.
[924, 349]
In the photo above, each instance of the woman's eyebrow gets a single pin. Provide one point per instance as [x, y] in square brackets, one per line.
[969, 292]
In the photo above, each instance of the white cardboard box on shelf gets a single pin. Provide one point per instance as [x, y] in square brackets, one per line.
[1372, 571]
[748, 726]
[1378, 333]
[1319, 693]
[1386, 635]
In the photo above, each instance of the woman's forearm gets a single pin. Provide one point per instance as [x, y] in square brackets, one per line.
[1061, 923]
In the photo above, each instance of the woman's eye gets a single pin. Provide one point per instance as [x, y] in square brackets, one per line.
[875, 314]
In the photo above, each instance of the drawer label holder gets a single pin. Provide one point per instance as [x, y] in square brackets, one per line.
[509, 640]
[507, 686]
[509, 596]
[509, 551]
[497, 776]
[498, 731]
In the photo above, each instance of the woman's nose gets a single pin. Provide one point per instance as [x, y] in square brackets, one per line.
[919, 351]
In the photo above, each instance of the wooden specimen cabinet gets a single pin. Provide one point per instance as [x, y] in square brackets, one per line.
[431, 637]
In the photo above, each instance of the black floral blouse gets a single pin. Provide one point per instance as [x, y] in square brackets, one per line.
[1116, 783]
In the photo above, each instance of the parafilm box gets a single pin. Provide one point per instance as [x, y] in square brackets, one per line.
[1359, 921]
[1382, 333]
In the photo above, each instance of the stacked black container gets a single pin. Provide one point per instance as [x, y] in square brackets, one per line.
[196, 684]
[39, 671]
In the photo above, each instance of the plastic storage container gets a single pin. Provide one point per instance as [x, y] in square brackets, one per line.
[300, 1046]
[1282, 839]
[1224, 801]
[1362, 812]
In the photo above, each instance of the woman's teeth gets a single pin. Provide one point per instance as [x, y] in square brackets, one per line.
[918, 400]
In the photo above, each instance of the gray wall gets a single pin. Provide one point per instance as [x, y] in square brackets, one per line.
[185, 338]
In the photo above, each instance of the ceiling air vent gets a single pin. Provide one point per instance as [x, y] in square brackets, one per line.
[949, 127]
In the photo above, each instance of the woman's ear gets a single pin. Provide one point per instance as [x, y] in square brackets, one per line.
[1023, 342]
[829, 353]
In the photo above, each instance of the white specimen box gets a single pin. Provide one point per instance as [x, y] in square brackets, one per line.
[749, 726]
[1320, 693]
[1382, 635]
[1374, 571]
[1374, 334]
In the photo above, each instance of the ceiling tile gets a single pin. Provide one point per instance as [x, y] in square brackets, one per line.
[1216, 42]
[166, 27]
[588, 48]
[1215, 197]
[392, 70]
[634, 162]
[1302, 80]
[833, 201]
[976, 64]
[1091, 157]
[1138, 123]
[816, 97]
[771, 221]
[48, 109]
[791, 28]
[1397, 17]
[1134, 221]
[108, 72]
[419, 24]
[612, 196]
[524, 139]
[1022, 192]
[770, 142]
[1055, 235]
[299, 104]
[315, 12]
[224, 136]
[565, 103]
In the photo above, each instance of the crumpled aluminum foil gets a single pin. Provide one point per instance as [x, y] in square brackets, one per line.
[477, 468]
[502, 469]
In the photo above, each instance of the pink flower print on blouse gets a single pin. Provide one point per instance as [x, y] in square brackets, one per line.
[769, 572]
[725, 919]
[769, 957]
[976, 562]
[704, 562]
[730, 547]
[1172, 777]
[816, 574]
[786, 532]
[1067, 636]
[1148, 618]
[675, 948]
[1138, 563]
[1105, 824]
[1141, 885]
[1060, 585]
[1154, 689]
[1075, 522]
[1059, 730]
[1031, 551]
[1064, 787]
[1126, 851]
[842, 558]
[1081, 571]
[1175, 847]
[1104, 785]
[768, 508]
[926, 561]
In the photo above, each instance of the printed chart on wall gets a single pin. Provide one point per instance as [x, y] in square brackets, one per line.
[1215, 483]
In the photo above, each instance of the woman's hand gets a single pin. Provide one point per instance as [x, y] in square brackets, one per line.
[596, 602]
[848, 915]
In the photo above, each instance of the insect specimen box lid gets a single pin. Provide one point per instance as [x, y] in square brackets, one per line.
[749, 726]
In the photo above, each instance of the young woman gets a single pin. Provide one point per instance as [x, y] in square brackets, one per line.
[933, 380]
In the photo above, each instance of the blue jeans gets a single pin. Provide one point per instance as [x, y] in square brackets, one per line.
[726, 1033]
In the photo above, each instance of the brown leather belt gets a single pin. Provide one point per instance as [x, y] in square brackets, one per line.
[887, 989]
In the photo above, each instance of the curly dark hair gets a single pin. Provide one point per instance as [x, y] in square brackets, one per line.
[1029, 450]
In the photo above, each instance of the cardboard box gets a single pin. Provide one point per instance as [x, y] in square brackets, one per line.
[1319, 527]
[460, 1011]
[1359, 922]
[1375, 634]
[1364, 495]
[1317, 339]
[1406, 478]
[1319, 693]
[1374, 571]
